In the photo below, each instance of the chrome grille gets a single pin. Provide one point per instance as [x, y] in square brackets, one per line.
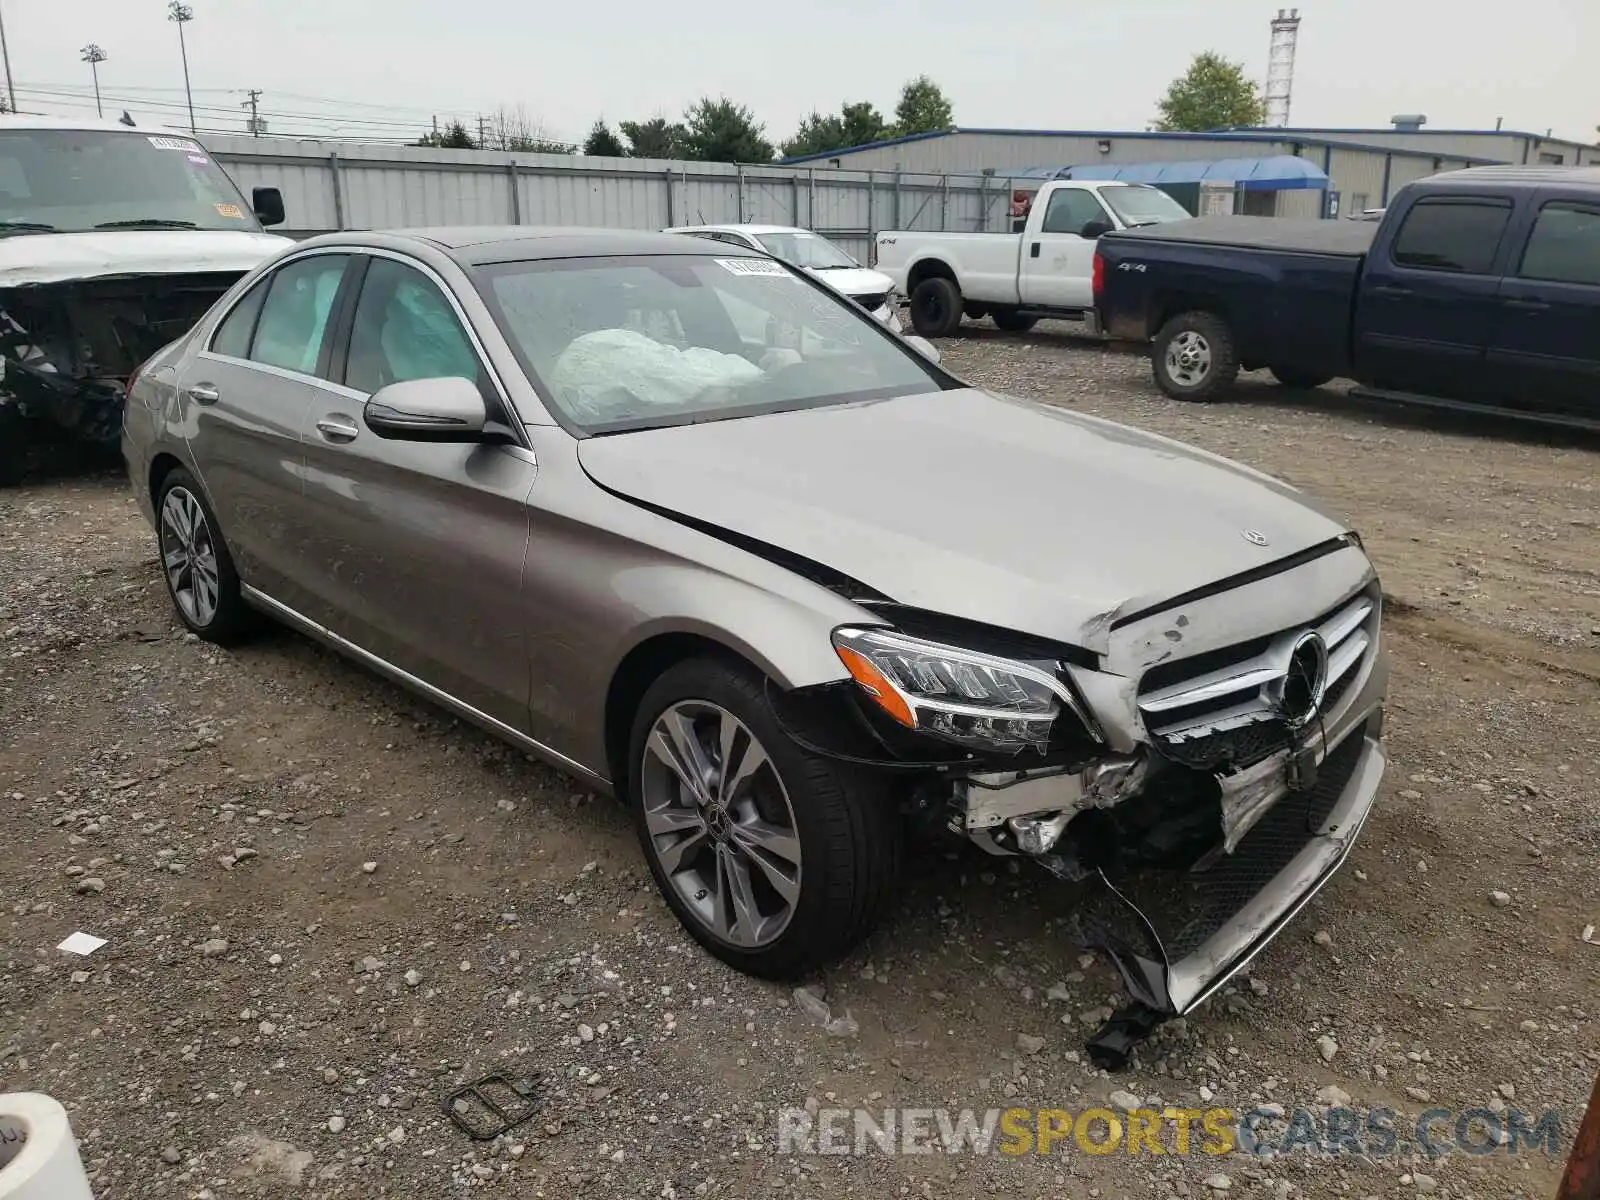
[1226, 708]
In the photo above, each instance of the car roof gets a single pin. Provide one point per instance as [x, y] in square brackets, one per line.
[1548, 176]
[474, 245]
[84, 125]
[752, 229]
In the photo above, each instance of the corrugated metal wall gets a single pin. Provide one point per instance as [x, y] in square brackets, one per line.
[328, 187]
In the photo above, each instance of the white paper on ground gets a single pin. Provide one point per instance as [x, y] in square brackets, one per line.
[81, 943]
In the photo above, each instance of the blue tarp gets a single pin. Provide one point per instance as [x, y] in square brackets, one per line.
[1281, 172]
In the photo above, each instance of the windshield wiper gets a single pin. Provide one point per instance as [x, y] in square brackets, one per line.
[148, 223]
[26, 227]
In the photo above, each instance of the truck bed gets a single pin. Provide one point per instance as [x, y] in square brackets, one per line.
[1344, 239]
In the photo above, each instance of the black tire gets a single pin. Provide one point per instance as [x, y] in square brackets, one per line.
[1292, 378]
[1012, 321]
[936, 308]
[849, 840]
[13, 445]
[1213, 339]
[974, 312]
[230, 619]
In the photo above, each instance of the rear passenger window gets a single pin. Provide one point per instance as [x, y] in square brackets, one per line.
[295, 317]
[1564, 246]
[233, 335]
[1452, 235]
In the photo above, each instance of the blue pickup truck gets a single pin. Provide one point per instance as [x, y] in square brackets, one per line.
[1478, 288]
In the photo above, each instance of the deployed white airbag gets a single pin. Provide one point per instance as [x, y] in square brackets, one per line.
[612, 374]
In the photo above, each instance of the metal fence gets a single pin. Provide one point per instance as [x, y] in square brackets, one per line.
[328, 187]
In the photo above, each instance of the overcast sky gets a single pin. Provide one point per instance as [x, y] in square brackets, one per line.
[1013, 63]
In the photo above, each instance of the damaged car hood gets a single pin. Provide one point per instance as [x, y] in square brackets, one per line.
[54, 257]
[996, 510]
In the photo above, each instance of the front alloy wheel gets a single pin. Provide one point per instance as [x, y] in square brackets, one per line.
[720, 823]
[778, 861]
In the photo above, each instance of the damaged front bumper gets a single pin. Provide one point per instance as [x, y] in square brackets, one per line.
[1176, 937]
[1186, 869]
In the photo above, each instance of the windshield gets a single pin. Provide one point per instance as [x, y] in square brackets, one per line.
[1139, 204]
[73, 181]
[806, 250]
[641, 342]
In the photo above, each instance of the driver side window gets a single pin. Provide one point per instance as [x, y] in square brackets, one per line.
[1070, 210]
[405, 329]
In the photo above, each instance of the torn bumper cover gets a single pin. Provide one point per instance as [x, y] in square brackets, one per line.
[1178, 936]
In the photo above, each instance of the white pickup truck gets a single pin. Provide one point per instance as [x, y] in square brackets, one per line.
[1045, 271]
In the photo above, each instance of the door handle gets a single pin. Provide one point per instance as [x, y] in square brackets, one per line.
[1527, 305]
[204, 393]
[1035, 253]
[337, 428]
[1391, 289]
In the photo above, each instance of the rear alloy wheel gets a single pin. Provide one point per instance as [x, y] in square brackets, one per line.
[936, 308]
[1292, 378]
[757, 846]
[1194, 357]
[1012, 321]
[195, 561]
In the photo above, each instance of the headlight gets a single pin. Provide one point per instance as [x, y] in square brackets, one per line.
[973, 699]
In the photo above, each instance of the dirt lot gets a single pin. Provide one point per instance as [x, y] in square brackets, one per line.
[328, 904]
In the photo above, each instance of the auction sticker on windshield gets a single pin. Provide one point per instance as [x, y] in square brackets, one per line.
[752, 266]
[172, 143]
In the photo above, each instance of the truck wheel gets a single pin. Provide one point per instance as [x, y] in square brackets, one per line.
[1292, 378]
[1194, 357]
[1012, 321]
[936, 308]
[776, 860]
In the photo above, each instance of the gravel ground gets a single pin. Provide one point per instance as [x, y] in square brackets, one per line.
[328, 904]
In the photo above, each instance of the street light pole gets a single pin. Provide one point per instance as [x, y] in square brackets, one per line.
[94, 56]
[183, 14]
[5, 52]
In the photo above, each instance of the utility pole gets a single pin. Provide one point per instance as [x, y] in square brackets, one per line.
[256, 125]
[483, 132]
[183, 14]
[5, 51]
[94, 56]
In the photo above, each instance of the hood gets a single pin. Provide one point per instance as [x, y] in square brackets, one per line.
[996, 510]
[856, 281]
[57, 257]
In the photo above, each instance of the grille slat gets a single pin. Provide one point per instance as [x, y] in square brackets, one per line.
[1222, 710]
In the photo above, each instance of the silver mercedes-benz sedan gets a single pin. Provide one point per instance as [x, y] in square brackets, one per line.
[688, 524]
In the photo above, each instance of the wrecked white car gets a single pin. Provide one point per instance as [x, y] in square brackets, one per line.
[114, 240]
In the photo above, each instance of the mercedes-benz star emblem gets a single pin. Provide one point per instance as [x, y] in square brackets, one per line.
[1306, 681]
[1254, 536]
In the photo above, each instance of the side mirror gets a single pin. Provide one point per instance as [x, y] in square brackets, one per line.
[1093, 229]
[924, 347]
[268, 205]
[428, 410]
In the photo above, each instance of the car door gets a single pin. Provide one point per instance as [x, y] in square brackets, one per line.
[1428, 302]
[419, 546]
[1545, 350]
[247, 393]
[1057, 261]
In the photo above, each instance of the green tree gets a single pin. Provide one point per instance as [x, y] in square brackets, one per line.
[602, 143]
[855, 125]
[1212, 94]
[923, 108]
[722, 131]
[453, 136]
[655, 138]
